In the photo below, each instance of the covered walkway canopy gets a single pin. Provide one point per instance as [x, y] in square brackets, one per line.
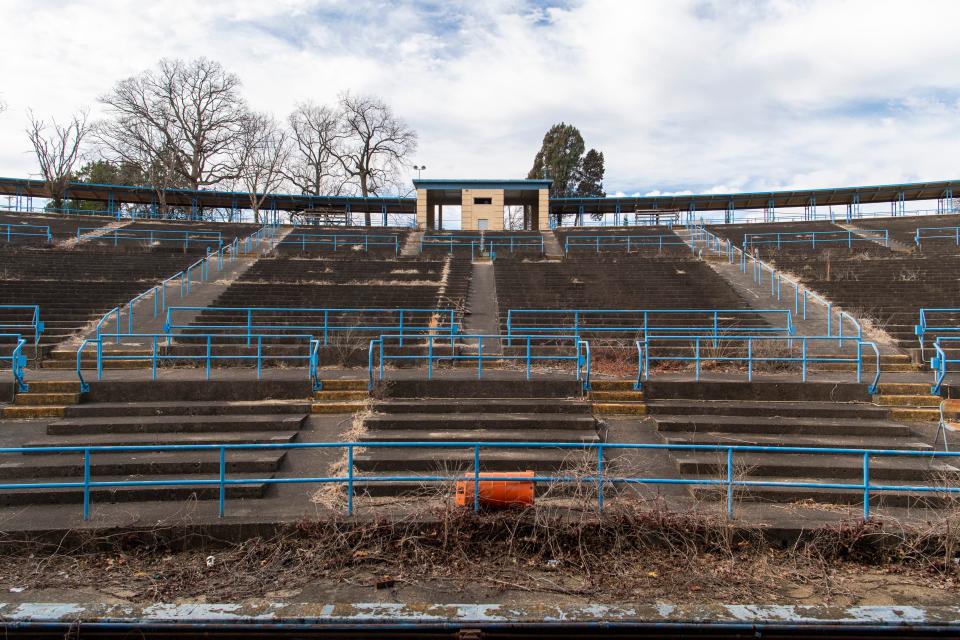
[853, 197]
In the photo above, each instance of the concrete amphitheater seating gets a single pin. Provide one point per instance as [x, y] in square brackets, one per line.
[75, 287]
[613, 282]
[830, 238]
[336, 241]
[642, 240]
[62, 227]
[903, 229]
[524, 242]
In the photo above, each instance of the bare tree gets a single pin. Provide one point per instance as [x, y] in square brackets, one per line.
[189, 114]
[312, 167]
[57, 148]
[262, 151]
[372, 144]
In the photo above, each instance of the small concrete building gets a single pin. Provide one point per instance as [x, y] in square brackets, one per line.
[482, 202]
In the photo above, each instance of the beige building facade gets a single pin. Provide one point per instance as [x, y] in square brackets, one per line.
[483, 204]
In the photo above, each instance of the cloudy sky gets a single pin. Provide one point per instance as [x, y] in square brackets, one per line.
[680, 95]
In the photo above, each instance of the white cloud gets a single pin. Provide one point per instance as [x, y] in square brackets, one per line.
[692, 95]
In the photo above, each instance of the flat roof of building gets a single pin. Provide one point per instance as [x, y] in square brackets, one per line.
[460, 184]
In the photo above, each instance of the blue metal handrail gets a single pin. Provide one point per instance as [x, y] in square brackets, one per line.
[377, 356]
[627, 242]
[602, 476]
[10, 231]
[482, 242]
[805, 358]
[940, 362]
[572, 321]
[156, 357]
[777, 238]
[35, 325]
[341, 241]
[954, 234]
[923, 327]
[405, 321]
[17, 361]
[183, 237]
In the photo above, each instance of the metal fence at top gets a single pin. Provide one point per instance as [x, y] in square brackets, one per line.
[813, 238]
[603, 478]
[625, 242]
[14, 343]
[185, 238]
[937, 233]
[9, 232]
[752, 351]
[706, 322]
[341, 241]
[24, 319]
[321, 322]
[478, 349]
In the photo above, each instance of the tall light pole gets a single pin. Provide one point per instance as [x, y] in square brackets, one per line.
[418, 168]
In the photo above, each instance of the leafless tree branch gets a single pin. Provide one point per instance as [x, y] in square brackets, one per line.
[57, 148]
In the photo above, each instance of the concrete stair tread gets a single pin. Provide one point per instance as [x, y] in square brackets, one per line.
[63, 495]
[747, 405]
[414, 422]
[775, 421]
[134, 439]
[751, 439]
[804, 463]
[426, 459]
[221, 419]
[186, 408]
[35, 466]
[481, 435]
[482, 405]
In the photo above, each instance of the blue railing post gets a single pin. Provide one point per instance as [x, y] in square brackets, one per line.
[222, 486]
[350, 479]
[600, 477]
[476, 477]
[86, 483]
[729, 483]
[866, 486]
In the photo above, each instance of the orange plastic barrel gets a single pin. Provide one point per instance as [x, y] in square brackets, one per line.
[497, 494]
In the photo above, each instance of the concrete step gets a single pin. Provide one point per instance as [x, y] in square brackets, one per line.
[54, 386]
[916, 414]
[482, 405]
[70, 495]
[344, 385]
[329, 408]
[125, 464]
[30, 413]
[207, 408]
[481, 435]
[616, 396]
[335, 396]
[830, 496]
[455, 460]
[833, 441]
[149, 439]
[903, 388]
[782, 425]
[176, 424]
[913, 400]
[620, 408]
[841, 467]
[812, 409]
[612, 385]
[32, 399]
[470, 421]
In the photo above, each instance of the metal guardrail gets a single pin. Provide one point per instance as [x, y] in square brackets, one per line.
[575, 321]
[152, 236]
[801, 293]
[11, 231]
[726, 480]
[17, 361]
[923, 327]
[341, 241]
[708, 349]
[160, 345]
[940, 363]
[626, 242]
[407, 322]
[482, 243]
[34, 325]
[939, 233]
[779, 239]
[579, 353]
